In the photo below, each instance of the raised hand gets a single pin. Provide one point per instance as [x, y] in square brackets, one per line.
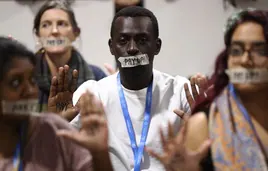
[202, 83]
[176, 156]
[61, 93]
[109, 68]
[93, 134]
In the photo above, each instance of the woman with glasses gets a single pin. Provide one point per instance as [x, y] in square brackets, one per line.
[236, 128]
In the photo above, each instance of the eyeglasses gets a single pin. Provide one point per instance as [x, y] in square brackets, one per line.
[257, 49]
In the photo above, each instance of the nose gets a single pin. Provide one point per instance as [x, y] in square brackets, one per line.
[246, 60]
[55, 30]
[132, 48]
[30, 91]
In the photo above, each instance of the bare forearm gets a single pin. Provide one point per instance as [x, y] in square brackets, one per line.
[102, 162]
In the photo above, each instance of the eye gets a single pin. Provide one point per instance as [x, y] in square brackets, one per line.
[45, 25]
[122, 40]
[142, 40]
[15, 83]
[260, 50]
[236, 51]
[62, 23]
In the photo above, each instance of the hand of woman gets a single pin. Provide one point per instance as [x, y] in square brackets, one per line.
[93, 134]
[176, 156]
[61, 93]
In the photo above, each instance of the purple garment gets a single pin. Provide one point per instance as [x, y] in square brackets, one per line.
[45, 151]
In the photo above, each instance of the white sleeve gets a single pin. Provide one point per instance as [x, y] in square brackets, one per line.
[76, 122]
[180, 93]
[91, 86]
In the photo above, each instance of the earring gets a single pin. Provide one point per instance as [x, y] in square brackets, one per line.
[38, 45]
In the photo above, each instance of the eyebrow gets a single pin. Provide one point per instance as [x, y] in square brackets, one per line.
[49, 21]
[253, 42]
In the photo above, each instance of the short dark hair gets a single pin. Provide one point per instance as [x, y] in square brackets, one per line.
[10, 49]
[55, 5]
[136, 11]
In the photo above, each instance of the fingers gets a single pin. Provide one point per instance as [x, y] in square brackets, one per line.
[74, 80]
[202, 84]
[203, 149]
[71, 135]
[154, 154]
[180, 113]
[209, 92]
[92, 121]
[66, 78]
[89, 105]
[70, 113]
[180, 139]
[60, 79]
[11, 37]
[109, 68]
[189, 96]
[170, 131]
[53, 87]
[193, 87]
[163, 140]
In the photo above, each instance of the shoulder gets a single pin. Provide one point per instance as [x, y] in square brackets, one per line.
[46, 127]
[197, 130]
[90, 85]
[98, 72]
[177, 81]
[52, 120]
[169, 79]
[94, 86]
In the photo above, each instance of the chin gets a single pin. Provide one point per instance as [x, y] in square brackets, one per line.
[138, 70]
[251, 87]
[58, 50]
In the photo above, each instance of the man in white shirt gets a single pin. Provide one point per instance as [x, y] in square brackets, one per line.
[138, 100]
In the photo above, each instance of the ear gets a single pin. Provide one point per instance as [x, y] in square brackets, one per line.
[77, 32]
[158, 46]
[36, 36]
[110, 46]
[36, 33]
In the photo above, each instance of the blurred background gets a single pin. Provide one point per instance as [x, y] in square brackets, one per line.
[191, 30]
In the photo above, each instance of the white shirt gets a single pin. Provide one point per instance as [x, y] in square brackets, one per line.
[168, 94]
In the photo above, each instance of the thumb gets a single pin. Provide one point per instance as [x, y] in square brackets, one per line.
[203, 149]
[70, 113]
[109, 68]
[179, 113]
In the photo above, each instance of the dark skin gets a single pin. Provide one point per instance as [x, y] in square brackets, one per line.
[134, 36]
[17, 84]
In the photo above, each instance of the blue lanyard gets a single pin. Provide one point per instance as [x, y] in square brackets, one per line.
[137, 151]
[17, 161]
[245, 114]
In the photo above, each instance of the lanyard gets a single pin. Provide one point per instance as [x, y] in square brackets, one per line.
[17, 161]
[246, 115]
[137, 151]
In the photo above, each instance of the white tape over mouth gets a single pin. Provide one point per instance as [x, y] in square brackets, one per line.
[243, 75]
[133, 61]
[21, 107]
[55, 42]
